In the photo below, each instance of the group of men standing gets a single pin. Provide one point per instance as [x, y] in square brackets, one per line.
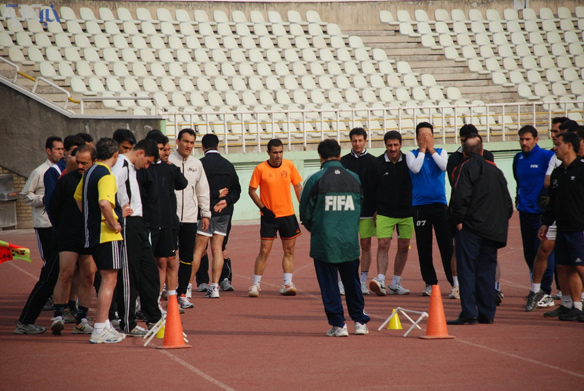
[112, 217]
[124, 209]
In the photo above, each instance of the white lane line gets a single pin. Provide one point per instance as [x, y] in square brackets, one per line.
[13, 264]
[523, 358]
[197, 371]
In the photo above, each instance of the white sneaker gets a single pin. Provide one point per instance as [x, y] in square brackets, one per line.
[361, 329]
[254, 290]
[189, 293]
[138, 332]
[212, 292]
[342, 288]
[397, 289]
[558, 295]
[337, 331]
[203, 287]
[546, 301]
[116, 332]
[83, 328]
[183, 302]
[455, 293]
[288, 290]
[377, 287]
[107, 335]
[427, 291]
[57, 325]
[364, 289]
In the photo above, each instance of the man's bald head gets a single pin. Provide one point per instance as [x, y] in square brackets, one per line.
[473, 144]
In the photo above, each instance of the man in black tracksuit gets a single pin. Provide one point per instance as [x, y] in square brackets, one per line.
[394, 212]
[364, 165]
[480, 208]
[224, 190]
[454, 162]
[567, 209]
[160, 211]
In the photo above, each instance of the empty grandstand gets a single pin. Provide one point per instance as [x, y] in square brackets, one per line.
[302, 72]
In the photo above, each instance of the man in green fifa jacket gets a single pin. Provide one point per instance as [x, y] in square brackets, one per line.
[330, 207]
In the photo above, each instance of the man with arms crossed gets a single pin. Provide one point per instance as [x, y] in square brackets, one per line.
[274, 177]
[188, 202]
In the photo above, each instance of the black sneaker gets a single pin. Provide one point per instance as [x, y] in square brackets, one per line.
[555, 313]
[571, 315]
[532, 299]
[140, 316]
[498, 297]
[49, 304]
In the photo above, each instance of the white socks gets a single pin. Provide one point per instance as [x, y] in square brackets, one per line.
[287, 278]
[381, 279]
[395, 280]
[364, 277]
[454, 281]
[256, 279]
[535, 287]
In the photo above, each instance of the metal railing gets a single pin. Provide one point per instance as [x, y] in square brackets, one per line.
[245, 129]
[39, 79]
[84, 99]
[13, 65]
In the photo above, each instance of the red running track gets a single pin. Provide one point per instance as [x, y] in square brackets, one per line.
[278, 343]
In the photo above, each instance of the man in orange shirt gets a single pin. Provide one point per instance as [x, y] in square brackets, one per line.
[274, 176]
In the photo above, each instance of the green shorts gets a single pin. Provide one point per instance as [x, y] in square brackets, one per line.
[366, 228]
[385, 227]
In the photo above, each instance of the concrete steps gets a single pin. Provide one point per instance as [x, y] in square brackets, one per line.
[447, 73]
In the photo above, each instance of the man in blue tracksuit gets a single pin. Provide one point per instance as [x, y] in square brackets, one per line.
[529, 169]
[330, 207]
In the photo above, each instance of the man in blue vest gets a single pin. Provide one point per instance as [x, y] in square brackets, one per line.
[427, 170]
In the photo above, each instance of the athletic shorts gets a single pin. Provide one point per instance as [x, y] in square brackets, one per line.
[64, 243]
[367, 228]
[163, 243]
[552, 232]
[386, 225]
[186, 242]
[287, 226]
[109, 255]
[217, 226]
[569, 248]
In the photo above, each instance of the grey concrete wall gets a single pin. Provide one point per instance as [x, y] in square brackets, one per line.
[26, 123]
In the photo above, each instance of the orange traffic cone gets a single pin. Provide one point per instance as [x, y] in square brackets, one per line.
[173, 331]
[436, 320]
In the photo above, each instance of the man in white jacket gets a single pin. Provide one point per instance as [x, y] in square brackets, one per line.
[33, 194]
[188, 202]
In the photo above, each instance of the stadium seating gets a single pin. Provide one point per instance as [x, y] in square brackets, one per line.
[195, 62]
